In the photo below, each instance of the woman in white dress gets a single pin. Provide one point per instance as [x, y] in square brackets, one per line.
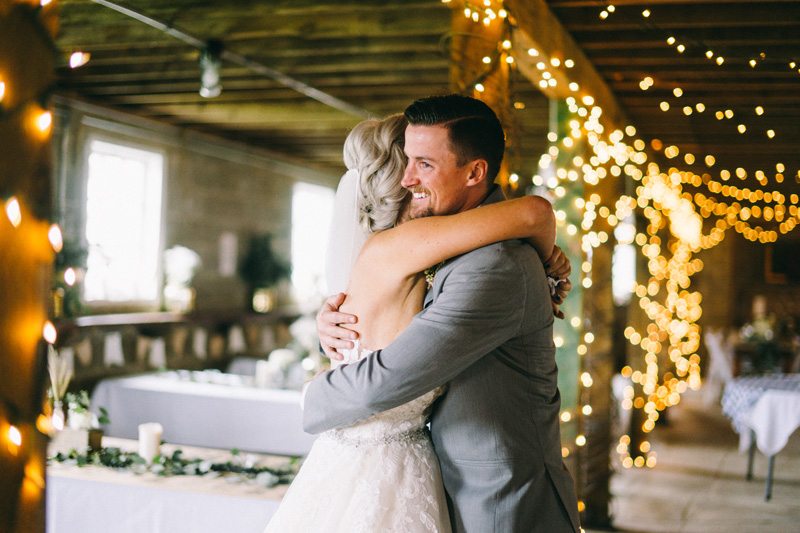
[381, 474]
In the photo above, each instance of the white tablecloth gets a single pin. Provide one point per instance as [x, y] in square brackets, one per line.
[101, 500]
[244, 366]
[205, 414]
[769, 406]
[774, 418]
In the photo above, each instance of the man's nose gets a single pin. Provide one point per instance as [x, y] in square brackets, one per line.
[409, 179]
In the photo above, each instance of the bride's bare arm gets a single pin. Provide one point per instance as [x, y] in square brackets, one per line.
[425, 242]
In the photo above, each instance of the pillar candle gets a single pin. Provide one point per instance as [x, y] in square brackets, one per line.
[150, 440]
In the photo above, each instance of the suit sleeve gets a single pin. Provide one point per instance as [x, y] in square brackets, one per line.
[479, 307]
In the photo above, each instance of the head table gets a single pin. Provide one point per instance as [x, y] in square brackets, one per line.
[96, 499]
[209, 409]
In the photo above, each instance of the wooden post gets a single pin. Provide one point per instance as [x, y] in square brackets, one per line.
[599, 361]
[537, 29]
[26, 255]
[471, 42]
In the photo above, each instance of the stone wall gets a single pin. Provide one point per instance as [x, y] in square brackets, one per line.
[212, 186]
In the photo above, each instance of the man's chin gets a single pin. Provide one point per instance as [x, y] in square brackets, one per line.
[421, 212]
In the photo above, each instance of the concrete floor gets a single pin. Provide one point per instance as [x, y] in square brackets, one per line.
[699, 482]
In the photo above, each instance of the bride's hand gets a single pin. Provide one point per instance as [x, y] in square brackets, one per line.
[558, 268]
[333, 337]
[562, 289]
[557, 265]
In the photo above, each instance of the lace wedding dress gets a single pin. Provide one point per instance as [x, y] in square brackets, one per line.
[378, 475]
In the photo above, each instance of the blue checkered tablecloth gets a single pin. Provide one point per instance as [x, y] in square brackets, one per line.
[741, 394]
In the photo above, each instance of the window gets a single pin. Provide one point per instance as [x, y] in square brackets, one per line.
[123, 223]
[623, 262]
[312, 209]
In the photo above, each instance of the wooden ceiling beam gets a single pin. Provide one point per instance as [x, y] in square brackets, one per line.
[180, 68]
[232, 73]
[691, 16]
[743, 86]
[337, 81]
[636, 73]
[728, 37]
[260, 22]
[357, 93]
[563, 4]
[538, 28]
[732, 100]
[267, 52]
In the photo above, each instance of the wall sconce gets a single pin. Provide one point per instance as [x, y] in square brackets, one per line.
[210, 66]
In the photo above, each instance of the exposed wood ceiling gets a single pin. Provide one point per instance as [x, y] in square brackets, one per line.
[626, 47]
[379, 55]
[376, 55]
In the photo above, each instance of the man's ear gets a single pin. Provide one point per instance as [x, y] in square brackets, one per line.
[478, 171]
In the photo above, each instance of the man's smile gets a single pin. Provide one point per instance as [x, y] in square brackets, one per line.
[420, 195]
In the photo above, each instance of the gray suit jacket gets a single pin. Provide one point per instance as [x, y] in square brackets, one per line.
[486, 331]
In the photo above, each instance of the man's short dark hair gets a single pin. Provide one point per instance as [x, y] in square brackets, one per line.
[475, 131]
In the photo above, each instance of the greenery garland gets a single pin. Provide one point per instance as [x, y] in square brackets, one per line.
[177, 465]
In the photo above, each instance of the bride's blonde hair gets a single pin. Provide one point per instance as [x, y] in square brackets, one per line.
[374, 148]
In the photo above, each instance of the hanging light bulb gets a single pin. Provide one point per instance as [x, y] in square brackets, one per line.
[78, 59]
[210, 66]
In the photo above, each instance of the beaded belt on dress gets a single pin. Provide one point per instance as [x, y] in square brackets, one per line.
[340, 435]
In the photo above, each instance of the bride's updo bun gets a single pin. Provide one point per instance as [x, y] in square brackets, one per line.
[374, 148]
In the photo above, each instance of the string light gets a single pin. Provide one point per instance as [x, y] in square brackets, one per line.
[43, 121]
[55, 237]
[70, 277]
[13, 211]
[14, 436]
[49, 332]
[78, 59]
[665, 298]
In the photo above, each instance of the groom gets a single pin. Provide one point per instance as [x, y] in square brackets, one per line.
[485, 331]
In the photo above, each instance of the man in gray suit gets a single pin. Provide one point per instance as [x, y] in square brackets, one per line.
[485, 331]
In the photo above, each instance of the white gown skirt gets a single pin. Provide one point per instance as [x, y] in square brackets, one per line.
[386, 484]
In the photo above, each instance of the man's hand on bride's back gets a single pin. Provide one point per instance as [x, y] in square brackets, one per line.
[332, 336]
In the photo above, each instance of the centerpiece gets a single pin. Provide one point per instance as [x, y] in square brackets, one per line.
[261, 269]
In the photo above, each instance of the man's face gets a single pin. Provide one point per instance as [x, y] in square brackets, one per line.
[437, 183]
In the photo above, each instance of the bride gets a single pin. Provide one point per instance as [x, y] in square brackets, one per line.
[381, 474]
